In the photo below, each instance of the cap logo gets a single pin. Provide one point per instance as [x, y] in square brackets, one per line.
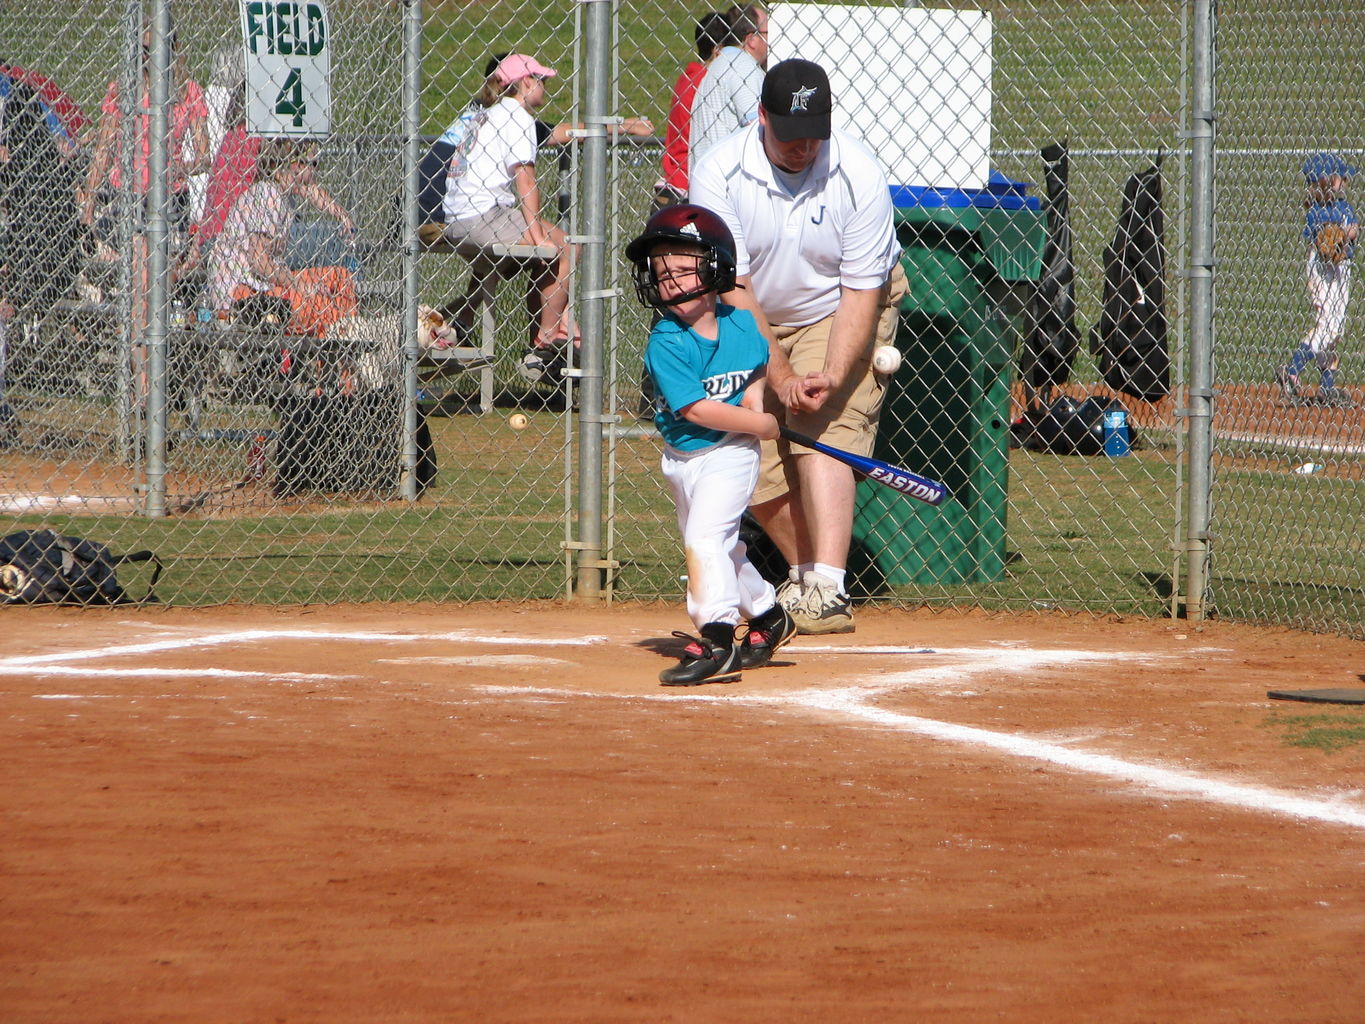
[801, 99]
[690, 229]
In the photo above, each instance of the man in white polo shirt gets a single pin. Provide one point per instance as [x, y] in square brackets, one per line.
[819, 267]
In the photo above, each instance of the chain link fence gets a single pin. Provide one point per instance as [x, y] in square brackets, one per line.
[268, 466]
[1287, 496]
[1094, 91]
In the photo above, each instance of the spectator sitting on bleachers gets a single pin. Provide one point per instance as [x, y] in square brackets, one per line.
[247, 260]
[234, 169]
[431, 174]
[492, 197]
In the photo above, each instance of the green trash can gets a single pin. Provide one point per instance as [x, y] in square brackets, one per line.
[970, 257]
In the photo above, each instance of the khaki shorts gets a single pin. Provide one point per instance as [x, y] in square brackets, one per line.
[501, 225]
[849, 419]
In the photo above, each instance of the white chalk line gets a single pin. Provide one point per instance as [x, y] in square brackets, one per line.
[478, 661]
[850, 702]
[1334, 810]
[855, 702]
[143, 672]
[254, 635]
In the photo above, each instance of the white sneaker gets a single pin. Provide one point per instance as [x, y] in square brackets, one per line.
[823, 609]
[789, 595]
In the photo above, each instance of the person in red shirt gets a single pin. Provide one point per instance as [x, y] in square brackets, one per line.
[188, 155]
[234, 169]
[710, 34]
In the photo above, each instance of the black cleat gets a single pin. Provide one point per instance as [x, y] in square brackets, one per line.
[767, 634]
[1288, 384]
[1333, 398]
[544, 364]
[713, 658]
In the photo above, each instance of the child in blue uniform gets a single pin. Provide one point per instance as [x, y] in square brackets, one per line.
[706, 365]
[1328, 278]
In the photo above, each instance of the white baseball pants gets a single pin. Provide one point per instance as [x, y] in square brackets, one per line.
[711, 489]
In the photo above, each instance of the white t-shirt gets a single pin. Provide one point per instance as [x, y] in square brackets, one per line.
[836, 228]
[495, 141]
[726, 100]
[263, 209]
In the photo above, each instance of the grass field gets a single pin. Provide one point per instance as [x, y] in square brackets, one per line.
[1059, 543]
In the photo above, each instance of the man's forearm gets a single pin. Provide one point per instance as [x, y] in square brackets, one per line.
[852, 332]
[779, 369]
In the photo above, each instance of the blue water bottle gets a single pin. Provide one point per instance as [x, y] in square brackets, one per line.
[1116, 432]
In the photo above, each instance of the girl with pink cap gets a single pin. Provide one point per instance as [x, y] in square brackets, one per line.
[491, 193]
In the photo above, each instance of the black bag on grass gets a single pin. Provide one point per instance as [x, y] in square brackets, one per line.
[42, 567]
[1068, 427]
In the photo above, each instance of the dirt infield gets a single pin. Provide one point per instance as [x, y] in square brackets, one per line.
[419, 814]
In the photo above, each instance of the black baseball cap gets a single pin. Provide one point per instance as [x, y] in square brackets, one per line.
[797, 100]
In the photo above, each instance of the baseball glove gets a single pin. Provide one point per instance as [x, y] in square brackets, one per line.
[1332, 243]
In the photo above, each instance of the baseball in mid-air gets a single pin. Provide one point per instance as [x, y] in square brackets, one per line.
[886, 359]
[518, 421]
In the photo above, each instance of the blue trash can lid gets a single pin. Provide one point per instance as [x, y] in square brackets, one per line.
[1000, 193]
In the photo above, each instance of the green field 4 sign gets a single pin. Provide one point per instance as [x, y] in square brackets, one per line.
[288, 48]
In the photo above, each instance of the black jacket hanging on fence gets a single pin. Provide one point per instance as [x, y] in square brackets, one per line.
[1053, 339]
[1129, 342]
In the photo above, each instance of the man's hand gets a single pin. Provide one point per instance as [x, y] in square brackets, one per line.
[538, 231]
[810, 392]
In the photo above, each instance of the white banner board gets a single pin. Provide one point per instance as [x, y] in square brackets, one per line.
[288, 67]
[914, 84]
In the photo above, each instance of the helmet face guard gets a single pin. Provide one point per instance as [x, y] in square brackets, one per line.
[693, 226]
[647, 282]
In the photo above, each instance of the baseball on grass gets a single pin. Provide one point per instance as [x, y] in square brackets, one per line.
[518, 421]
[886, 359]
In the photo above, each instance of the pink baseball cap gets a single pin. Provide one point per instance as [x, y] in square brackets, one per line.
[517, 65]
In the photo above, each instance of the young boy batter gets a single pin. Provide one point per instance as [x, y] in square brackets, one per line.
[705, 362]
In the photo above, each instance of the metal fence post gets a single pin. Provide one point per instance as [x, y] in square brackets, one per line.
[412, 126]
[592, 308]
[159, 268]
[1199, 409]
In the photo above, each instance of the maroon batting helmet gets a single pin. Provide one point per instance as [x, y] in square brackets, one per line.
[694, 225]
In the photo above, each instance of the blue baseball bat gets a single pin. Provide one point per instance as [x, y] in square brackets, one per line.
[919, 487]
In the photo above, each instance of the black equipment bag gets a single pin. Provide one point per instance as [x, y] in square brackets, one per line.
[1068, 427]
[42, 567]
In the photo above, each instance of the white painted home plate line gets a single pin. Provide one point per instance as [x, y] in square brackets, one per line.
[852, 702]
[970, 662]
[869, 649]
[143, 672]
[254, 635]
[479, 661]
